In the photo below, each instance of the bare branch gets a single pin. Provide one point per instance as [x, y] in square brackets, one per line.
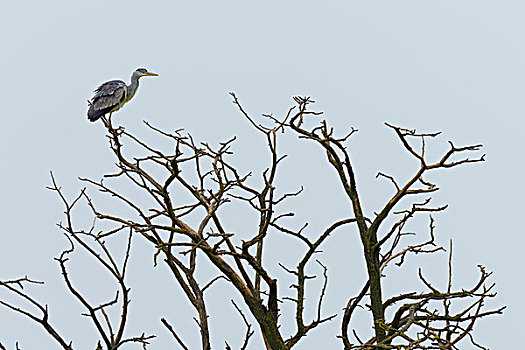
[249, 331]
[177, 338]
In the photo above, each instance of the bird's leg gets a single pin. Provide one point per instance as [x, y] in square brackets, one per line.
[105, 121]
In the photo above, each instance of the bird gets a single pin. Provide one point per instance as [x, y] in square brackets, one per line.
[112, 95]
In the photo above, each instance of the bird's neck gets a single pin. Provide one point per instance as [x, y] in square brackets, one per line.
[132, 88]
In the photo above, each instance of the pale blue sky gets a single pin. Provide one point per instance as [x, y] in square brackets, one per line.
[432, 65]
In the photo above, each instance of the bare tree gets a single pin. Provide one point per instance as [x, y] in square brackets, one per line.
[187, 234]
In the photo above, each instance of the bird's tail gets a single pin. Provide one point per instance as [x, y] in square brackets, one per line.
[95, 114]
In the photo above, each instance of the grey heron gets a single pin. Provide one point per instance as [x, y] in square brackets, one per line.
[112, 95]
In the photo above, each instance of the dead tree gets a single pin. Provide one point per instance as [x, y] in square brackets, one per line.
[414, 325]
[111, 332]
[184, 234]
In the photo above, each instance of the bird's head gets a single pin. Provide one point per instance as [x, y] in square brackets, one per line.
[143, 72]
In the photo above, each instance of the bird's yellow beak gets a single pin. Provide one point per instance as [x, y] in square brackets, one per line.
[152, 74]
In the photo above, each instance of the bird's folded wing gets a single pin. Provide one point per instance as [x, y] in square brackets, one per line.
[109, 94]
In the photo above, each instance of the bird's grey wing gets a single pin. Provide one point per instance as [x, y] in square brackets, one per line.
[108, 87]
[107, 96]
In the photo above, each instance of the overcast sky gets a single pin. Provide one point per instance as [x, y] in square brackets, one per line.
[454, 66]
